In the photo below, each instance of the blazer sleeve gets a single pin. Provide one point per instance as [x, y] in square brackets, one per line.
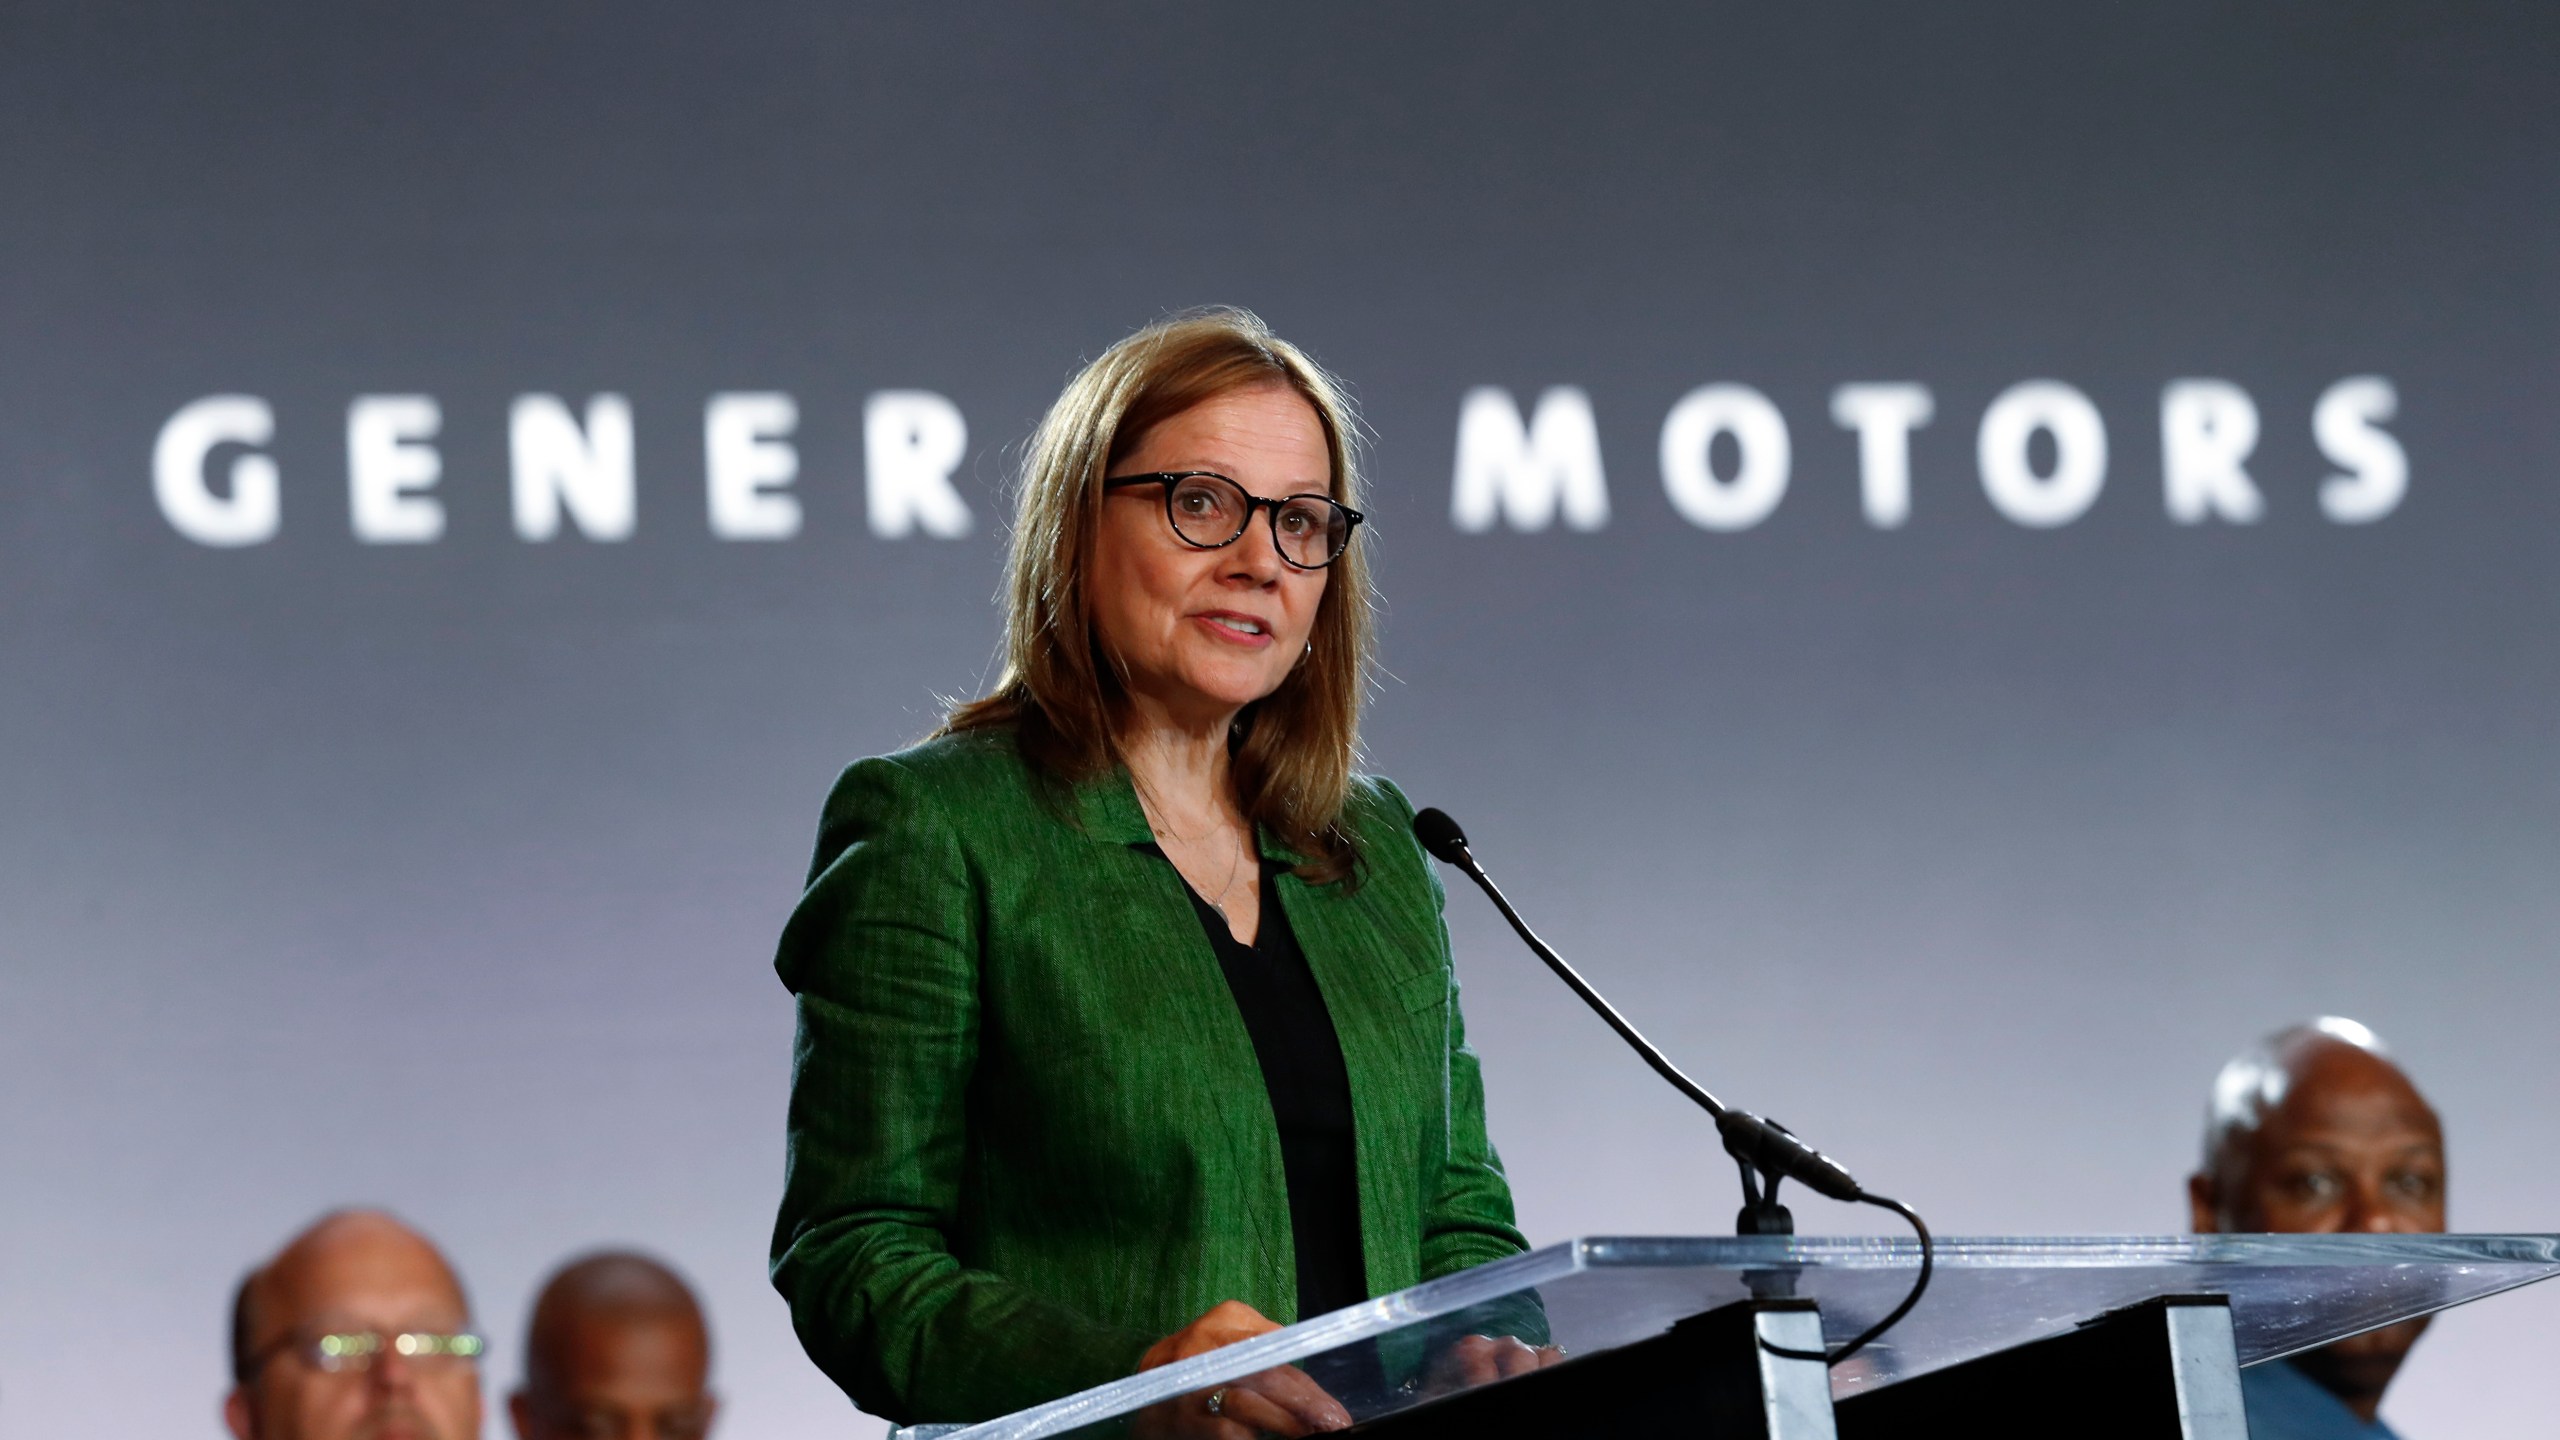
[1467, 1220]
[881, 956]
[1470, 1221]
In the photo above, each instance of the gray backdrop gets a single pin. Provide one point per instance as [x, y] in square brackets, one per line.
[446, 875]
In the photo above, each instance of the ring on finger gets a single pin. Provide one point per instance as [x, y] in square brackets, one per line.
[1218, 1401]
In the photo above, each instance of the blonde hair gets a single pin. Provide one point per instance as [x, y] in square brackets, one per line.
[1292, 750]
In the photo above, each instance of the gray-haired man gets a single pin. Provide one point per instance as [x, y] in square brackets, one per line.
[2313, 1130]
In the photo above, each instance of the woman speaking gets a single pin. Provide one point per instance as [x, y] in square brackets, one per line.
[1126, 1020]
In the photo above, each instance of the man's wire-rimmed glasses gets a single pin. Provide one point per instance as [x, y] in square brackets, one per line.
[1209, 511]
[340, 1352]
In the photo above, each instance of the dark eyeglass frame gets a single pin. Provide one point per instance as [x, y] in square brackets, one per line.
[1171, 479]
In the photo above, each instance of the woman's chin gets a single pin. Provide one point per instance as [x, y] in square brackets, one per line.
[1224, 688]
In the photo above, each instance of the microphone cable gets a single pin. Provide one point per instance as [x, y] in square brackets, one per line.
[1919, 1287]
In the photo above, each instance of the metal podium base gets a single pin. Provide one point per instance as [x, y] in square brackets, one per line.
[2162, 1370]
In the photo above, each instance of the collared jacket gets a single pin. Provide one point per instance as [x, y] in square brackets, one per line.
[1028, 1135]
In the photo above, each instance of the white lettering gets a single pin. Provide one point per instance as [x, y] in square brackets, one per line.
[249, 513]
[388, 462]
[1763, 457]
[1527, 471]
[559, 466]
[2347, 423]
[2207, 429]
[1884, 415]
[912, 441]
[2079, 453]
[748, 460]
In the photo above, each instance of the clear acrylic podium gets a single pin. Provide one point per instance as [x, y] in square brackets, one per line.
[2135, 1335]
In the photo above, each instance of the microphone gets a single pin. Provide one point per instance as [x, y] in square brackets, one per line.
[1765, 1150]
[1760, 1145]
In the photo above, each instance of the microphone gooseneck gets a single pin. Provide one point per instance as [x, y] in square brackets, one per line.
[1758, 1143]
[1765, 1150]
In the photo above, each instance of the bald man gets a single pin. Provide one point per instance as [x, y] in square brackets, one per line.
[617, 1350]
[356, 1330]
[2314, 1130]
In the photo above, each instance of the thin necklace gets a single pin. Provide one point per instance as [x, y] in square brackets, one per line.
[1235, 857]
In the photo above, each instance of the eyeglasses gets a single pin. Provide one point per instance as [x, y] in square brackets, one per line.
[355, 1351]
[1208, 511]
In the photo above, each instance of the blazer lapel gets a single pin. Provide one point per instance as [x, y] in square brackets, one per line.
[1371, 973]
[1108, 812]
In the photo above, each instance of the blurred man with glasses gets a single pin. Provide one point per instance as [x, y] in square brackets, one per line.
[356, 1330]
[617, 1350]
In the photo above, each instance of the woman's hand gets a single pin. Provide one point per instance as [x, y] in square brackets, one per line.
[1474, 1360]
[1278, 1401]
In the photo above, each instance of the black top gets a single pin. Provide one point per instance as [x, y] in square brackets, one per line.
[1294, 1039]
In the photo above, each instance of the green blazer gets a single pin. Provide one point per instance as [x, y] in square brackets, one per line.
[1028, 1134]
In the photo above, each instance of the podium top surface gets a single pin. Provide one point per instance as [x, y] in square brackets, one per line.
[2287, 1293]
